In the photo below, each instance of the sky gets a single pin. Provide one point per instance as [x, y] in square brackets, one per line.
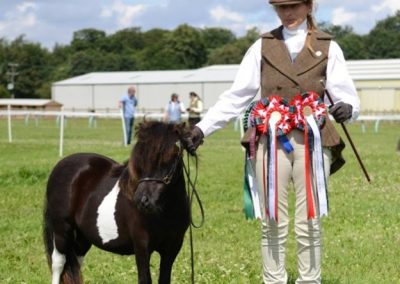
[51, 22]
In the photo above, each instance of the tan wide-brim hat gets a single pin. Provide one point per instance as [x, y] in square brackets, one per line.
[286, 2]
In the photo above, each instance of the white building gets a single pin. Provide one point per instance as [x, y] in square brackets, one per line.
[377, 81]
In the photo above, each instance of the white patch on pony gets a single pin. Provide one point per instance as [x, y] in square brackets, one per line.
[106, 223]
[57, 265]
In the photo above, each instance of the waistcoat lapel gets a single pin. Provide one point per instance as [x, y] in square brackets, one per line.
[308, 59]
[277, 54]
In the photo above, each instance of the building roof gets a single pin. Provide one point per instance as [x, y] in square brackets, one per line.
[215, 73]
[382, 69]
[28, 102]
[377, 69]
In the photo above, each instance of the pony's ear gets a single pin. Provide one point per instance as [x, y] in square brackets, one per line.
[183, 133]
[179, 129]
[139, 126]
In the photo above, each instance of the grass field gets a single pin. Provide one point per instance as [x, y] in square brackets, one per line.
[361, 236]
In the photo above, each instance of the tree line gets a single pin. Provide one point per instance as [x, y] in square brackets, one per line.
[33, 67]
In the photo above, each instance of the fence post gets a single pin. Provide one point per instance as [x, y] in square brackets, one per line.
[61, 132]
[9, 123]
[123, 126]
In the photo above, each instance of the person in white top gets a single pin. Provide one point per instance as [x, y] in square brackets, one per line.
[295, 38]
[174, 109]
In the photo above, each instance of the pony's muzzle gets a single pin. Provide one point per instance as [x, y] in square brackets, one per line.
[144, 201]
[147, 196]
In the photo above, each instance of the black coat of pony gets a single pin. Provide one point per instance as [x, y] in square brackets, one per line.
[136, 208]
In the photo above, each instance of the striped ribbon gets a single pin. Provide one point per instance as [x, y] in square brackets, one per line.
[307, 173]
[318, 167]
[272, 168]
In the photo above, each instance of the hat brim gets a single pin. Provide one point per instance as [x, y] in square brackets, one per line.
[289, 2]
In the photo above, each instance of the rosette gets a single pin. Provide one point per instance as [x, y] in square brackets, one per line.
[307, 100]
[309, 114]
[262, 111]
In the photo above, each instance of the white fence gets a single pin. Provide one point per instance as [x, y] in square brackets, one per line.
[62, 115]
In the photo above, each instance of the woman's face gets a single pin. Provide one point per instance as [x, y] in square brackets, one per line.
[292, 15]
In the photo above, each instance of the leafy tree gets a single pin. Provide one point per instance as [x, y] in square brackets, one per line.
[33, 66]
[352, 44]
[88, 39]
[216, 37]
[124, 40]
[384, 40]
[82, 62]
[3, 69]
[336, 31]
[152, 56]
[232, 53]
[4, 93]
[185, 48]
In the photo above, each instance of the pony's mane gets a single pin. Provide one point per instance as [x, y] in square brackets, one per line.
[116, 171]
[156, 146]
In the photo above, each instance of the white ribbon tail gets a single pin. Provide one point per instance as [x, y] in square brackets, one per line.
[318, 168]
[271, 170]
[253, 189]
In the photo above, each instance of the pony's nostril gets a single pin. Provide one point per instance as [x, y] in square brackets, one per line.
[144, 200]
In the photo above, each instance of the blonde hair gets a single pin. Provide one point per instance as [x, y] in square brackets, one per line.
[311, 24]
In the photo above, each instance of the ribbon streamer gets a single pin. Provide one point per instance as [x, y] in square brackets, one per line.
[307, 178]
[318, 167]
[272, 167]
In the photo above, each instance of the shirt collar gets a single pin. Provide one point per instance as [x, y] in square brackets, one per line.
[300, 30]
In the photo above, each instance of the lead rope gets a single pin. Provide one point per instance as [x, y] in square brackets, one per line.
[192, 192]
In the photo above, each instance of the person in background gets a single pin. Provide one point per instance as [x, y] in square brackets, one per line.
[195, 108]
[174, 110]
[291, 59]
[128, 104]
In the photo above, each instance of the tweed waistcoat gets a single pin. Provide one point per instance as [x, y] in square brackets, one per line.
[280, 76]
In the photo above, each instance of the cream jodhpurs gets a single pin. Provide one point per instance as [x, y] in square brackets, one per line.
[290, 167]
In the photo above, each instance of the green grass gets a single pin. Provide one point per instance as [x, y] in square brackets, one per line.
[361, 235]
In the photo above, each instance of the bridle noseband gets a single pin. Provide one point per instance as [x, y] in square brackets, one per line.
[168, 177]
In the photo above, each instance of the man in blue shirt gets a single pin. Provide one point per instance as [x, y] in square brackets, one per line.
[128, 103]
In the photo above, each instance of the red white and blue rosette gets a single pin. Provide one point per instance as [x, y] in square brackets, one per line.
[262, 111]
[271, 116]
[309, 114]
[275, 117]
[306, 100]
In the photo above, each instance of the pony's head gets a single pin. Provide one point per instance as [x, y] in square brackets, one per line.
[155, 165]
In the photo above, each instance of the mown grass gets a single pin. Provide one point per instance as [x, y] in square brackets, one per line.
[361, 235]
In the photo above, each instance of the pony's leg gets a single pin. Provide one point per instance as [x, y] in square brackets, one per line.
[57, 265]
[168, 257]
[82, 246]
[142, 257]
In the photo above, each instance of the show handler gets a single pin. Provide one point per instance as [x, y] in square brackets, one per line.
[288, 65]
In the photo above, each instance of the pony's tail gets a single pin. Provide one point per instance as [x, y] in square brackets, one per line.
[47, 238]
[71, 273]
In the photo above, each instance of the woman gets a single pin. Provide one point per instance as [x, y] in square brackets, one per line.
[173, 110]
[294, 58]
[195, 108]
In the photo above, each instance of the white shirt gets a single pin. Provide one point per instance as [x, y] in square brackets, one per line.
[247, 82]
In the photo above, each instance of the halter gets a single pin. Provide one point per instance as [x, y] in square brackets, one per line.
[168, 177]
